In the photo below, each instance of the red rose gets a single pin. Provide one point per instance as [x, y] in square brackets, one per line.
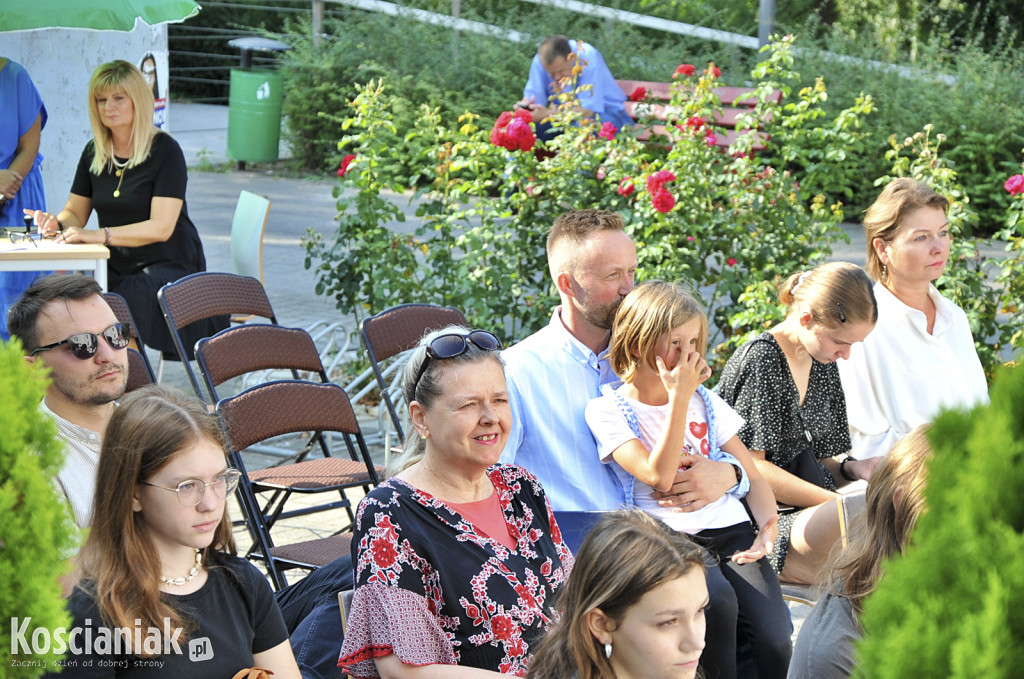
[512, 131]
[731, 261]
[639, 94]
[502, 627]
[1015, 184]
[384, 553]
[522, 135]
[696, 122]
[663, 201]
[345, 162]
[716, 72]
[658, 180]
[685, 70]
[711, 140]
[608, 131]
[626, 186]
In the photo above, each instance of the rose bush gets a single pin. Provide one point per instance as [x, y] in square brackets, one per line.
[715, 220]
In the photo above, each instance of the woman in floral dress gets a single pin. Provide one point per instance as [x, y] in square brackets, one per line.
[457, 558]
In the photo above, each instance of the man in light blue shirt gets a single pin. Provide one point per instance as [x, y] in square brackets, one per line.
[552, 69]
[554, 373]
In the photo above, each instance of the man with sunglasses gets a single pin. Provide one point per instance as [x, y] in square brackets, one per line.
[63, 321]
[554, 373]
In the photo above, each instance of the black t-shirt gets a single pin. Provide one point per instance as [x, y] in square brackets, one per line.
[162, 174]
[235, 616]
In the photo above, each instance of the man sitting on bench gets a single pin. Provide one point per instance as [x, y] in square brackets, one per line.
[552, 68]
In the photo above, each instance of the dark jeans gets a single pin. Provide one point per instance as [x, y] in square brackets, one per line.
[748, 624]
[313, 618]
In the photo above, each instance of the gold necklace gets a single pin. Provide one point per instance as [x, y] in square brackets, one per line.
[119, 170]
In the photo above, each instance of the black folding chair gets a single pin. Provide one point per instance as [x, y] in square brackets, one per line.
[140, 370]
[282, 407]
[391, 333]
[206, 295]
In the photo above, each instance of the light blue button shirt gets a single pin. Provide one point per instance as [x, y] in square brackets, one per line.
[551, 377]
[605, 98]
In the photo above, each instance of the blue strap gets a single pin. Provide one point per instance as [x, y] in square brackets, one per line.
[634, 424]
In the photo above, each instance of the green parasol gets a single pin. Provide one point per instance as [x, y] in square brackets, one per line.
[100, 15]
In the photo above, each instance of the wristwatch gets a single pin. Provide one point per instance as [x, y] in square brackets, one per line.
[842, 469]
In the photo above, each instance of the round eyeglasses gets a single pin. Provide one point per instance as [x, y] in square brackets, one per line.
[190, 492]
[455, 344]
[84, 345]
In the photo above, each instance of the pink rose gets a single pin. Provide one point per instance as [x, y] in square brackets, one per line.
[1015, 184]
[639, 94]
[685, 70]
[731, 261]
[711, 140]
[626, 186]
[663, 201]
[608, 131]
[601, 174]
[345, 162]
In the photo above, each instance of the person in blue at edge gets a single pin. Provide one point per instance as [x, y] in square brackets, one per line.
[22, 119]
[553, 64]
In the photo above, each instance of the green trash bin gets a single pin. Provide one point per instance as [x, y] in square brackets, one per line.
[254, 114]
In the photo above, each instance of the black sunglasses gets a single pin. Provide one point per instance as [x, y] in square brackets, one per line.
[450, 346]
[84, 345]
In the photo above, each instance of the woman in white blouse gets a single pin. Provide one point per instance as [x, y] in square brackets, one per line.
[921, 356]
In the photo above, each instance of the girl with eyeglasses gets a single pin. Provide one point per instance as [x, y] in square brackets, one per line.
[458, 558]
[160, 558]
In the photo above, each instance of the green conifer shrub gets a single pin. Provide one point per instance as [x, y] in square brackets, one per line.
[953, 605]
[35, 528]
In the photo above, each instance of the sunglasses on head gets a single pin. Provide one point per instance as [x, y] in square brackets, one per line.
[84, 345]
[452, 345]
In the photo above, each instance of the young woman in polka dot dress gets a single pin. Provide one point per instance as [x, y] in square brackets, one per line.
[785, 384]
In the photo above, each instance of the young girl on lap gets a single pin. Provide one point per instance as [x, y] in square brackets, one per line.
[646, 428]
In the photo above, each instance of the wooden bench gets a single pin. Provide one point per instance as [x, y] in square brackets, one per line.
[736, 101]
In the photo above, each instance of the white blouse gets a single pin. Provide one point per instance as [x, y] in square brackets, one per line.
[902, 376]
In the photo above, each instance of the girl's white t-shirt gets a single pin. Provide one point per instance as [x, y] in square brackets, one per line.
[611, 430]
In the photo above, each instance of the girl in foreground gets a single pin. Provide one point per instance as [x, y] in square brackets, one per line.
[160, 555]
[644, 429]
[639, 616]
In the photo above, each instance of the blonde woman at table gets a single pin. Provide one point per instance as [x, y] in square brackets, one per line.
[133, 175]
[921, 356]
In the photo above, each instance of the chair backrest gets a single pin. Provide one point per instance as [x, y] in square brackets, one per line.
[247, 228]
[206, 295]
[250, 348]
[398, 329]
[285, 407]
[140, 371]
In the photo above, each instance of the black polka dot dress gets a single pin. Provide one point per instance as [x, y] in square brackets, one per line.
[757, 383]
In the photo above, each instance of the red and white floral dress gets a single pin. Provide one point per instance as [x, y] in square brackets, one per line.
[432, 588]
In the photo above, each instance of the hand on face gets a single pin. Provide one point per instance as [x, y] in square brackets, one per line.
[682, 380]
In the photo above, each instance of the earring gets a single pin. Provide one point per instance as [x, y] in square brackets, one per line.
[608, 650]
[885, 274]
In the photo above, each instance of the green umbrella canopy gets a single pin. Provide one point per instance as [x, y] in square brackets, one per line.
[100, 15]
